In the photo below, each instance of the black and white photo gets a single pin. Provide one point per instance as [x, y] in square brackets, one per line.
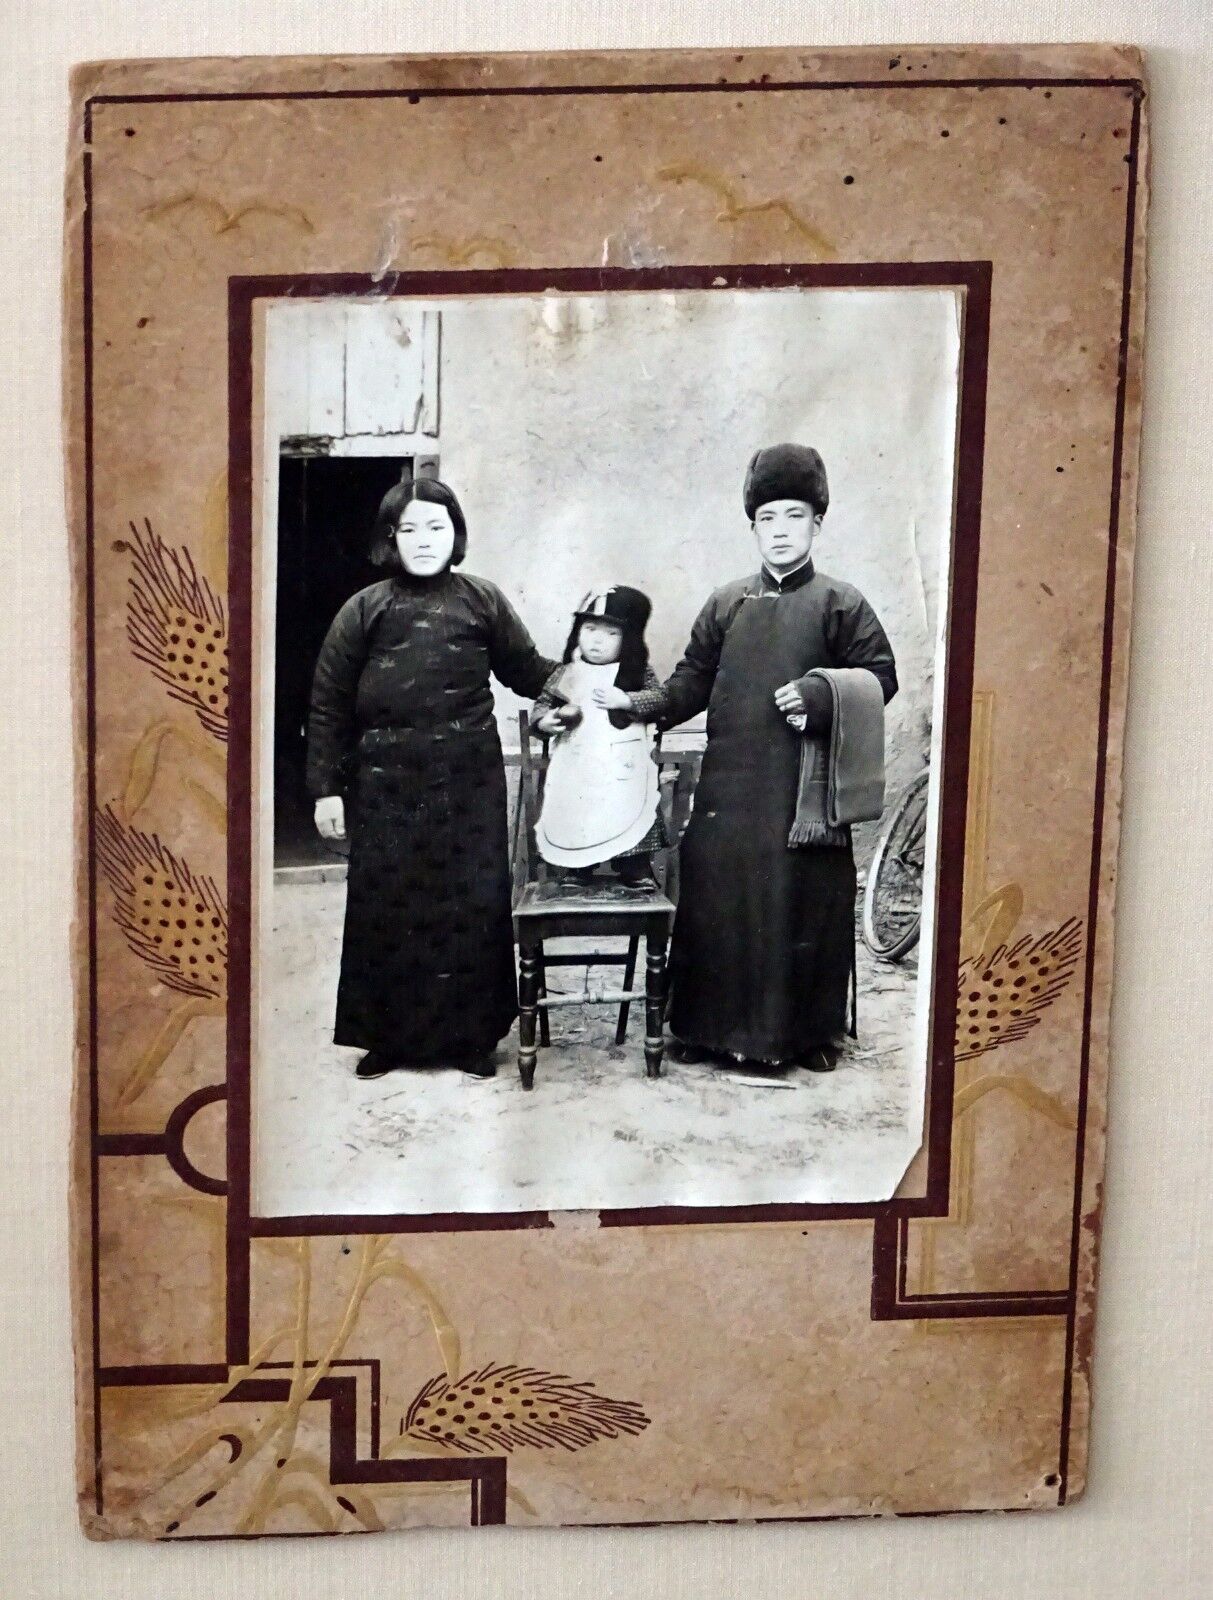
[601, 650]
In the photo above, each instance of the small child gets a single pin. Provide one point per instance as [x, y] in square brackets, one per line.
[601, 800]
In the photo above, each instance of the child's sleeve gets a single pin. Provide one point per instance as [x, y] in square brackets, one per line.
[649, 701]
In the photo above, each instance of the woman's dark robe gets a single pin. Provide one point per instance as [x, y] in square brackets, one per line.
[402, 726]
[764, 936]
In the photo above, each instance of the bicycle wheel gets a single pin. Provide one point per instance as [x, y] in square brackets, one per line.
[892, 900]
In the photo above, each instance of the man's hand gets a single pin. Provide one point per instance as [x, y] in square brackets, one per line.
[612, 698]
[330, 817]
[549, 723]
[790, 700]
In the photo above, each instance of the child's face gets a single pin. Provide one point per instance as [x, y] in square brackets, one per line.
[785, 530]
[600, 642]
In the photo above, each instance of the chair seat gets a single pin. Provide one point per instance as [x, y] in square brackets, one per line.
[561, 899]
[549, 909]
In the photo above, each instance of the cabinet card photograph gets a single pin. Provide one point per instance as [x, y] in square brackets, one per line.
[601, 596]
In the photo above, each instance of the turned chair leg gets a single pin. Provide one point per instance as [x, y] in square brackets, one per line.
[654, 1004]
[545, 1036]
[629, 978]
[528, 996]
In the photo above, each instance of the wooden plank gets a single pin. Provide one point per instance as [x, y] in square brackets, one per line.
[384, 368]
[431, 357]
[305, 368]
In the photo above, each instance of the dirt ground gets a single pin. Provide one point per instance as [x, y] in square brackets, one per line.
[594, 1133]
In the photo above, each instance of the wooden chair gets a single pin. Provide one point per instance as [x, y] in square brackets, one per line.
[546, 909]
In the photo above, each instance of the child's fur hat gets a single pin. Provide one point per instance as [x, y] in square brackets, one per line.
[630, 610]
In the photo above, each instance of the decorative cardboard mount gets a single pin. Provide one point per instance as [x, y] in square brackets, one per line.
[243, 1374]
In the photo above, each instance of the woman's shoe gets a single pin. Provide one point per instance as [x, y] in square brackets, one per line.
[478, 1066]
[823, 1059]
[375, 1065]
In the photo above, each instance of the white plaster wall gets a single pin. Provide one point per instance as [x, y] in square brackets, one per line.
[1144, 1528]
[605, 440]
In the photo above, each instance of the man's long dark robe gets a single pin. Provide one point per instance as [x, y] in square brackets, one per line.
[764, 937]
[402, 725]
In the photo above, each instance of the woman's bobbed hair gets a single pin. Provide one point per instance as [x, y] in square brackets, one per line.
[384, 553]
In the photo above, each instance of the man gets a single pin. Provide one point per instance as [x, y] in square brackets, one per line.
[764, 939]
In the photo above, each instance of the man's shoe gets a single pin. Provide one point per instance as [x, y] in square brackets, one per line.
[688, 1054]
[776, 1071]
[375, 1065]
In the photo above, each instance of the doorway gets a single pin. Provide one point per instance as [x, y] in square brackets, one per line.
[326, 516]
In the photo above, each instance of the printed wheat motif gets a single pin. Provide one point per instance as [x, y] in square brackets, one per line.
[173, 919]
[1000, 997]
[177, 626]
[502, 1407]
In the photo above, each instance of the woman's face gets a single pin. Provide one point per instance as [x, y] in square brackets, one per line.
[600, 642]
[425, 538]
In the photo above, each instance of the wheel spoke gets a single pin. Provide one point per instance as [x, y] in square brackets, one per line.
[894, 896]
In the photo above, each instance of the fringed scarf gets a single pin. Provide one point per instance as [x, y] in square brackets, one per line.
[842, 773]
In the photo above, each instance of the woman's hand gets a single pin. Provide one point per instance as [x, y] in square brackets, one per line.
[790, 700]
[549, 723]
[612, 698]
[330, 817]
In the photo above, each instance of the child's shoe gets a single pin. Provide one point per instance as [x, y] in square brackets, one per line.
[575, 877]
[635, 872]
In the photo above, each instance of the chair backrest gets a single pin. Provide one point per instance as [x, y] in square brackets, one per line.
[529, 865]
[678, 772]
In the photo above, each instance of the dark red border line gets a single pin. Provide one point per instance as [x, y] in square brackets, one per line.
[419, 92]
[1101, 764]
[90, 690]
[485, 1476]
[891, 1303]
[974, 279]
[239, 839]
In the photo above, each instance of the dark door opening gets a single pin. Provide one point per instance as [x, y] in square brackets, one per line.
[326, 514]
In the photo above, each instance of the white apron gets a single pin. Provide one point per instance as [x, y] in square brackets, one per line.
[601, 793]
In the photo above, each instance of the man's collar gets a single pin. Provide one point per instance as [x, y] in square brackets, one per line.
[781, 583]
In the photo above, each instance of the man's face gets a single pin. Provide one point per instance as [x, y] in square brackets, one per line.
[425, 538]
[600, 642]
[785, 530]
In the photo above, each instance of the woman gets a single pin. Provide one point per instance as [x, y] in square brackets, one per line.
[402, 732]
